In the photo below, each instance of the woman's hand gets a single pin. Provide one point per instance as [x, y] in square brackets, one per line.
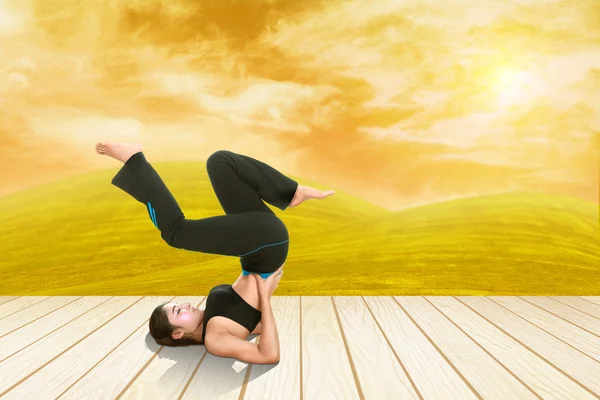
[266, 287]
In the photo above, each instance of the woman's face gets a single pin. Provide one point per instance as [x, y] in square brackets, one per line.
[185, 317]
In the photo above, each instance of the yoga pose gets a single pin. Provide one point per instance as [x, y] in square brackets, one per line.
[249, 230]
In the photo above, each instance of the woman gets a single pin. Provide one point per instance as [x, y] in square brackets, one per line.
[249, 230]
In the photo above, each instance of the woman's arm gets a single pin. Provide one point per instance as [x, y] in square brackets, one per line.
[269, 338]
[225, 344]
[265, 352]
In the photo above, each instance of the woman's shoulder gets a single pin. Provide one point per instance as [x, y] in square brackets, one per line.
[217, 326]
[223, 286]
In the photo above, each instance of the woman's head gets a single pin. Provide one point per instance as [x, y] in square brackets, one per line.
[173, 324]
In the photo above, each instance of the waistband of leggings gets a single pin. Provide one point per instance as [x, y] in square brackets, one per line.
[264, 275]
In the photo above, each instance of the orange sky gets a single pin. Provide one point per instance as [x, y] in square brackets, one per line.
[398, 102]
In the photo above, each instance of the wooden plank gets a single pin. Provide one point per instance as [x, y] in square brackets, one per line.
[52, 364]
[326, 369]
[115, 372]
[21, 319]
[168, 371]
[580, 367]
[565, 331]
[379, 371]
[22, 303]
[593, 299]
[581, 304]
[544, 379]
[484, 373]
[420, 358]
[6, 299]
[216, 378]
[283, 380]
[19, 339]
[566, 312]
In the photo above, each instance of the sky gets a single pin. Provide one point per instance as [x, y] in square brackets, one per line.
[401, 103]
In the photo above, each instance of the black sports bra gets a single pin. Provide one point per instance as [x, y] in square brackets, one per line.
[224, 301]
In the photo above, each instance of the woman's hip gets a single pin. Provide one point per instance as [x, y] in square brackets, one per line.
[271, 255]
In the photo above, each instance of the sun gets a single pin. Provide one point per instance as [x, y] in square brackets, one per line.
[10, 20]
[510, 84]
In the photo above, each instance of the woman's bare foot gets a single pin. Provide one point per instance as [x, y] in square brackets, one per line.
[118, 150]
[304, 193]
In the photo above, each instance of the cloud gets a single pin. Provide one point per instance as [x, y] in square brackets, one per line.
[396, 101]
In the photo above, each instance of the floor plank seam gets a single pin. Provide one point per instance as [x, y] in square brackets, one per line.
[545, 331]
[103, 358]
[51, 332]
[191, 378]
[8, 301]
[412, 382]
[591, 301]
[40, 317]
[533, 351]
[23, 309]
[485, 350]
[439, 351]
[246, 378]
[562, 318]
[301, 372]
[575, 308]
[141, 371]
[67, 349]
[350, 360]
[137, 375]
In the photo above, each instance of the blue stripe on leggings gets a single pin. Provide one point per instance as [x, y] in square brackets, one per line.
[275, 244]
[263, 275]
[152, 216]
[149, 212]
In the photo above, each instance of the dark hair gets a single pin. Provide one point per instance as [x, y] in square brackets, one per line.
[161, 329]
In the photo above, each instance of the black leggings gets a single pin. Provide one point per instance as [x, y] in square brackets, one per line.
[249, 230]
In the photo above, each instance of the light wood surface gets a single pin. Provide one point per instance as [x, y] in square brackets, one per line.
[565, 310]
[5, 299]
[433, 376]
[537, 374]
[126, 360]
[21, 303]
[557, 322]
[580, 304]
[18, 335]
[82, 356]
[379, 372]
[593, 299]
[572, 362]
[351, 347]
[489, 378]
[326, 367]
[166, 371]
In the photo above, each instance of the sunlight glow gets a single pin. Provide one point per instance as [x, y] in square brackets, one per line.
[9, 20]
[510, 85]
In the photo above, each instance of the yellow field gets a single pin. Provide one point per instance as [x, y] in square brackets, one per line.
[83, 236]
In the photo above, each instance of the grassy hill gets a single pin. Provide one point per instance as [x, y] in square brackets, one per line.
[83, 236]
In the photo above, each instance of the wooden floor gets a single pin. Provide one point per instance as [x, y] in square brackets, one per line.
[331, 348]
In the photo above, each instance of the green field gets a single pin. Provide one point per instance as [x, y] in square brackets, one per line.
[83, 236]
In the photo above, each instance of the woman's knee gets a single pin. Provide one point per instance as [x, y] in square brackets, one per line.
[217, 156]
[168, 238]
[168, 234]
